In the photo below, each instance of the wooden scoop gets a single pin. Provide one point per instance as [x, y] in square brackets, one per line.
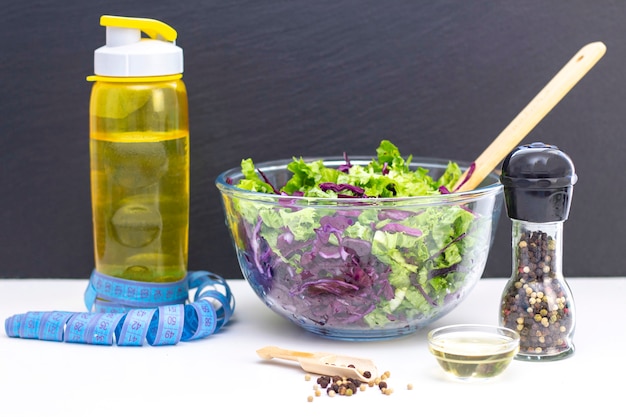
[322, 363]
[532, 114]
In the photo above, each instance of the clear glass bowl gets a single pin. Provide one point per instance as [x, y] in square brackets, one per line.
[473, 351]
[360, 268]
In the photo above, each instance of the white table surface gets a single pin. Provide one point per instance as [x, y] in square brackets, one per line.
[222, 373]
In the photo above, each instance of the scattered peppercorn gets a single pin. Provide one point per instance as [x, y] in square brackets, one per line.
[347, 386]
[323, 381]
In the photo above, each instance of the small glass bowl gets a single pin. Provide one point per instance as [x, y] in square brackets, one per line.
[473, 351]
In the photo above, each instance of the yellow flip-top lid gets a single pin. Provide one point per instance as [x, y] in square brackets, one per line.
[128, 54]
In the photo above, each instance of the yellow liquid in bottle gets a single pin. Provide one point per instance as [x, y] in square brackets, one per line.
[140, 182]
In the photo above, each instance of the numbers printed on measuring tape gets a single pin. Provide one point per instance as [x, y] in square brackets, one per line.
[144, 322]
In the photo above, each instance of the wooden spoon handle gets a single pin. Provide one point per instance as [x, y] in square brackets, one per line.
[533, 113]
[270, 352]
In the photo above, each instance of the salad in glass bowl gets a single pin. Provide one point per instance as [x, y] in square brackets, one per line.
[361, 248]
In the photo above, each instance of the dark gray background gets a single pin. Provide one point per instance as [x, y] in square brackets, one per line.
[275, 79]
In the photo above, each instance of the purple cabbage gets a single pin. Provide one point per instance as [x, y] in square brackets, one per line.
[336, 284]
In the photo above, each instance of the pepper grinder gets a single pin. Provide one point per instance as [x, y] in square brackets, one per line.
[538, 184]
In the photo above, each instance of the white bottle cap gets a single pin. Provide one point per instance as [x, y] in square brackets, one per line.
[127, 54]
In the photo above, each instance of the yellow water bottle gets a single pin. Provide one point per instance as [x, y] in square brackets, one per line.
[139, 147]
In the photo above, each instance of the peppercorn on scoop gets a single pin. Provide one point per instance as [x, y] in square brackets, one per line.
[325, 363]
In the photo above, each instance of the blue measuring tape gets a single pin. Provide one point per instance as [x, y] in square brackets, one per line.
[130, 313]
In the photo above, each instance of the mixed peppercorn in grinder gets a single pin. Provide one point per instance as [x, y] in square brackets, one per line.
[538, 184]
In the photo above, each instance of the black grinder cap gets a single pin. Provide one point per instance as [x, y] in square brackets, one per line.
[538, 182]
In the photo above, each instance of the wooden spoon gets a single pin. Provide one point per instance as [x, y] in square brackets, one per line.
[532, 114]
[328, 364]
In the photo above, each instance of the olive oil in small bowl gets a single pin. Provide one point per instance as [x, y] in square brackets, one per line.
[472, 351]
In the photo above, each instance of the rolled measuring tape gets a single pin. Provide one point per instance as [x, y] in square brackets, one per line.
[130, 313]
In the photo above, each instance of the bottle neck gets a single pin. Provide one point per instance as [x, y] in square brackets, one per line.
[537, 249]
